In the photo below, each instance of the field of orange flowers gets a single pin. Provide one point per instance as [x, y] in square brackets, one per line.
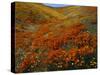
[54, 44]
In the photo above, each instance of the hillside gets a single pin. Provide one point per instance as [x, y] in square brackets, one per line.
[50, 39]
[37, 14]
[84, 14]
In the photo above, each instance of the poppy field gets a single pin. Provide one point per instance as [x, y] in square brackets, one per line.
[55, 38]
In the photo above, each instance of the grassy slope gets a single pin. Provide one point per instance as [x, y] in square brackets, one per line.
[24, 7]
[68, 16]
[83, 14]
[36, 12]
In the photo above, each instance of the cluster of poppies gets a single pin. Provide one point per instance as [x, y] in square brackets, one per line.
[70, 48]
